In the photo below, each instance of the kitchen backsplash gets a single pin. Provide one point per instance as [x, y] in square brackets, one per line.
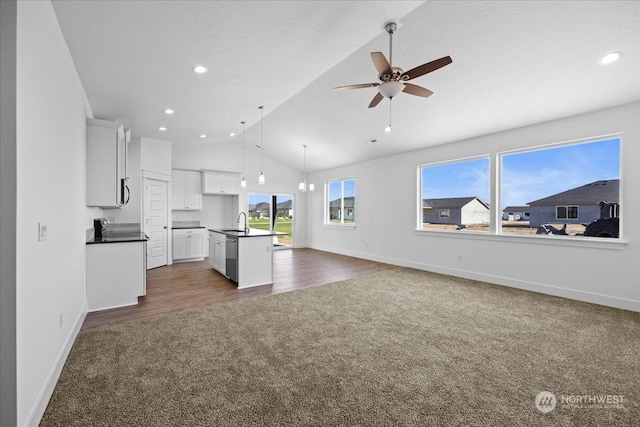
[186, 216]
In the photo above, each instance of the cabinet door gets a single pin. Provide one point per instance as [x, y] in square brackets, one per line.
[180, 247]
[230, 184]
[196, 246]
[212, 182]
[220, 183]
[178, 185]
[212, 244]
[193, 192]
[105, 160]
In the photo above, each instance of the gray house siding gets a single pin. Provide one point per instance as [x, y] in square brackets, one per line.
[432, 216]
[462, 211]
[586, 198]
[547, 214]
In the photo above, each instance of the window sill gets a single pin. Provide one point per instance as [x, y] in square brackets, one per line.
[577, 241]
[347, 226]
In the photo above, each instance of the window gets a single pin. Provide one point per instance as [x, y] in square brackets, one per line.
[455, 195]
[566, 212]
[341, 199]
[560, 188]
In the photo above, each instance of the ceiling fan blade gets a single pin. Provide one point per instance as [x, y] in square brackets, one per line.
[359, 86]
[381, 63]
[376, 100]
[417, 90]
[426, 68]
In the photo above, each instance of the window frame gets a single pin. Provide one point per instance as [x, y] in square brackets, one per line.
[327, 204]
[496, 189]
[420, 167]
[567, 209]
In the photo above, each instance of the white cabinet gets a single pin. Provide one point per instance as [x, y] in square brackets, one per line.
[116, 274]
[255, 261]
[186, 190]
[218, 251]
[106, 164]
[215, 182]
[188, 244]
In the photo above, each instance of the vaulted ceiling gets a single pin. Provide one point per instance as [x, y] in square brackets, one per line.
[514, 63]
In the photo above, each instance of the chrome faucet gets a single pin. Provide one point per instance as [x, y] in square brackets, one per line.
[246, 229]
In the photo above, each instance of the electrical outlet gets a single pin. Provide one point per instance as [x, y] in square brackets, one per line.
[42, 231]
[61, 320]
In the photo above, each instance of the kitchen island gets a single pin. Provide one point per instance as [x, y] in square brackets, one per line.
[245, 257]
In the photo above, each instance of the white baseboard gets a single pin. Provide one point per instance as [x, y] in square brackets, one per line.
[578, 295]
[47, 391]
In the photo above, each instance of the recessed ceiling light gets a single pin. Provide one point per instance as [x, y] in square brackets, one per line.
[203, 136]
[610, 58]
[232, 134]
[162, 128]
[168, 111]
[200, 69]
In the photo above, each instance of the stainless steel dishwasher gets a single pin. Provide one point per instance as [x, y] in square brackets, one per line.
[232, 258]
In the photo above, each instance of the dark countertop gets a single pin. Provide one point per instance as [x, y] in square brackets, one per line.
[120, 238]
[184, 227]
[239, 233]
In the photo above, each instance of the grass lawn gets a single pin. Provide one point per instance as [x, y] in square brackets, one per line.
[282, 225]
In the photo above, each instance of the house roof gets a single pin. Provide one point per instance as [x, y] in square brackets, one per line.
[348, 202]
[516, 209]
[589, 194]
[450, 202]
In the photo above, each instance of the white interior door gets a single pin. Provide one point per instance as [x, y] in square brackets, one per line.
[155, 221]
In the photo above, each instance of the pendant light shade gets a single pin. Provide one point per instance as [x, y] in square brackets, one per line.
[243, 183]
[261, 179]
[303, 186]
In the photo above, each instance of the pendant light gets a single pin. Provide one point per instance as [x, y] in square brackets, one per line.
[303, 185]
[261, 179]
[243, 183]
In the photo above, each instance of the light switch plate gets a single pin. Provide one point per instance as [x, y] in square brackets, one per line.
[42, 231]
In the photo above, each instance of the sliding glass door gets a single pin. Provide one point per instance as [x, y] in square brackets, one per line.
[273, 212]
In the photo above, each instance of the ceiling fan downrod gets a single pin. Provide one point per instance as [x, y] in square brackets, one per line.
[391, 28]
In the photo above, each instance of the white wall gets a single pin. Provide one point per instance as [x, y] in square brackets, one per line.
[604, 272]
[51, 111]
[280, 179]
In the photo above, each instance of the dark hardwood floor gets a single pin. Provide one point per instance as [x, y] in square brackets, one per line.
[184, 286]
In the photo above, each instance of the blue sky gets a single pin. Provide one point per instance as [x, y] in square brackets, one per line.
[526, 176]
[349, 189]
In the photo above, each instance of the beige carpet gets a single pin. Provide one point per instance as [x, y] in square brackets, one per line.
[396, 348]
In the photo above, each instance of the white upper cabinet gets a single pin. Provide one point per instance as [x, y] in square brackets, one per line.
[186, 190]
[106, 164]
[216, 182]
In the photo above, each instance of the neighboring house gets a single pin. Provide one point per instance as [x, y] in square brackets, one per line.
[284, 209]
[516, 213]
[575, 206]
[347, 214]
[455, 210]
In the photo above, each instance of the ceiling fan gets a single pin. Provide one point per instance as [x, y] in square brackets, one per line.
[393, 80]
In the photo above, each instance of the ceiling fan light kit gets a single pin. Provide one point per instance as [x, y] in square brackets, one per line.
[393, 80]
